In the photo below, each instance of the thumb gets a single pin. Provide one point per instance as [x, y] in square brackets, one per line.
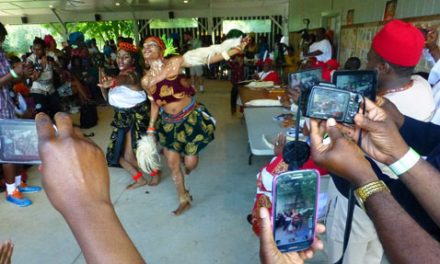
[267, 242]
[333, 130]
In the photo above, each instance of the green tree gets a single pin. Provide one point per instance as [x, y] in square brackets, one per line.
[101, 31]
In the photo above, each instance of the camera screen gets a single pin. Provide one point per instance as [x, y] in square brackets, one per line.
[19, 141]
[295, 213]
[361, 82]
[325, 104]
[305, 79]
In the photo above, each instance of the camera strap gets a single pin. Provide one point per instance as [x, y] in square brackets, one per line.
[350, 206]
[348, 221]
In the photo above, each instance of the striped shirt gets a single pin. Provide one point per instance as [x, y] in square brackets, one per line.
[6, 103]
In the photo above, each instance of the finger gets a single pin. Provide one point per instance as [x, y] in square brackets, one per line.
[267, 243]
[64, 125]
[332, 130]
[365, 123]
[370, 105]
[9, 252]
[45, 129]
[315, 135]
[320, 228]
[78, 133]
[380, 101]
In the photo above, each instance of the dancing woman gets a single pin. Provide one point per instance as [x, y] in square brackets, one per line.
[185, 126]
[132, 114]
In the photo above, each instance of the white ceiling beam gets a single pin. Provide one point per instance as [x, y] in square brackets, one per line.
[253, 10]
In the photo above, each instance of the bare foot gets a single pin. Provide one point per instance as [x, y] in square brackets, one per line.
[155, 180]
[139, 183]
[182, 208]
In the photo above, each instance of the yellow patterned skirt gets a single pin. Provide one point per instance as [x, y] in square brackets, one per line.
[188, 135]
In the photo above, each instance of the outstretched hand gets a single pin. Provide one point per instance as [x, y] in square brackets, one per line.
[269, 253]
[74, 169]
[106, 82]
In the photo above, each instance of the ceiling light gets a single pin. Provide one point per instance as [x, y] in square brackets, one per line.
[186, 1]
[50, 6]
[117, 4]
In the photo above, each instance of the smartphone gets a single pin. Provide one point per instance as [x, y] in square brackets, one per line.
[294, 205]
[326, 102]
[18, 141]
[362, 82]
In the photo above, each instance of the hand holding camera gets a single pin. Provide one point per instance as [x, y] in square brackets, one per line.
[341, 155]
[380, 136]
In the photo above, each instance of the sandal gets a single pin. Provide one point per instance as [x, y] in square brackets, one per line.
[185, 203]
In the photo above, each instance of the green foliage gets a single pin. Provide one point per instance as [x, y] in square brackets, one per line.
[20, 37]
[103, 30]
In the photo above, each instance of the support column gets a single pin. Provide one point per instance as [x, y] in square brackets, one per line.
[66, 32]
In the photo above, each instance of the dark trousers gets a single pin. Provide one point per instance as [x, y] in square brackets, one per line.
[234, 96]
[49, 104]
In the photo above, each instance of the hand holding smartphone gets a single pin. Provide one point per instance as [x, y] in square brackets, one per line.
[294, 203]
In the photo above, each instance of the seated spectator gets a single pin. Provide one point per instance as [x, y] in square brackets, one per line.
[292, 61]
[267, 74]
[352, 63]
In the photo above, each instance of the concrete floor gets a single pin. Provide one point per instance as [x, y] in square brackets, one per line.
[214, 230]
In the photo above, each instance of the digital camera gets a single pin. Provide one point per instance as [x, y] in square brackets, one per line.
[326, 102]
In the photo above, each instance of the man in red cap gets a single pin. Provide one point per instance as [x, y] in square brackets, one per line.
[395, 51]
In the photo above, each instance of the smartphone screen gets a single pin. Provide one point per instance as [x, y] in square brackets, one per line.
[18, 141]
[295, 208]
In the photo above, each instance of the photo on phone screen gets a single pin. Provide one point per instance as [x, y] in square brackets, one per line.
[295, 208]
[18, 141]
[305, 80]
[361, 82]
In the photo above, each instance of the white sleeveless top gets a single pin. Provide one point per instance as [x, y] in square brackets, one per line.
[123, 97]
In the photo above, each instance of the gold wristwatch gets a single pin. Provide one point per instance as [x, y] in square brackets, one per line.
[364, 192]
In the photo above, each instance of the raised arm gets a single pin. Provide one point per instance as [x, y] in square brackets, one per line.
[74, 168]
[214, 53]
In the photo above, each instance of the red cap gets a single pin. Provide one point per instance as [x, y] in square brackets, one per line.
[399, 43]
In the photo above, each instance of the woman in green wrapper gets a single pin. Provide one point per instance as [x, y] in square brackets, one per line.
[185, 126]
[132, 114]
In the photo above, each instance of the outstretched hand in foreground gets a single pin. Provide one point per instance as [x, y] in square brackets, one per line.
[76, 181]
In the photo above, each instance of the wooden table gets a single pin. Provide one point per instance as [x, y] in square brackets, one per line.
[247, 94]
